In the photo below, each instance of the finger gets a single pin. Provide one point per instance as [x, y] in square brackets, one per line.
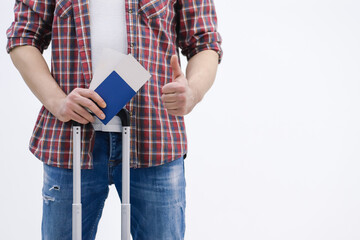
[175, 66]
[83, 113]
[85, 102]
[171, 105]
[94, 96]
[169, 88]
[176, 112]
[168, 98]
[173, 87]
[174, 98]
[77, 118]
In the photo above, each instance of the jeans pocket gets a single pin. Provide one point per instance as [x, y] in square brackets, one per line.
[63, 9]
[153, 8]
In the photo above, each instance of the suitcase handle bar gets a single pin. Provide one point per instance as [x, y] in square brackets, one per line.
[123, 114]
[77, 206]
[125, 117]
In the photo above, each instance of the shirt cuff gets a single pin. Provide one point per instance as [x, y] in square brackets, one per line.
[21, 41]
[211, 46]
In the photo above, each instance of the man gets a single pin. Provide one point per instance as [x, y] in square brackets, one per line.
[150, 30]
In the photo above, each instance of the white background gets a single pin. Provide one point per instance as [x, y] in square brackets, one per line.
[274, 146]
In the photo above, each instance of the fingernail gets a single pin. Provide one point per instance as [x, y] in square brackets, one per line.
[102, 116]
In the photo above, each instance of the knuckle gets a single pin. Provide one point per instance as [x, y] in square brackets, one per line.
[71, 95]
[181, 98]
[67, 105]
[181, 88]
[76, 90]
[93, 95]
[88, 103]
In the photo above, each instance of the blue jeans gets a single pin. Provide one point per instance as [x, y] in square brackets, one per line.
[157, 196]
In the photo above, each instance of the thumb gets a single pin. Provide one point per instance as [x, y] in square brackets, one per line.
[175, 66]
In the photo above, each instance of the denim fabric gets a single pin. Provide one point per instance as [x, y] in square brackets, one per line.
[157, 195]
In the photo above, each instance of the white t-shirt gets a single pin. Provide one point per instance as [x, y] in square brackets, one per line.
[107, 30]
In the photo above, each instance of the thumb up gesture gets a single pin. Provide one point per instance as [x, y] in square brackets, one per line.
[177, 96]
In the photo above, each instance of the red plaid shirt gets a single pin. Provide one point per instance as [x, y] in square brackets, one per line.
[155, 31]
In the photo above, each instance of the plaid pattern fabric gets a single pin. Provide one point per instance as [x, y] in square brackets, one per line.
[155, 31]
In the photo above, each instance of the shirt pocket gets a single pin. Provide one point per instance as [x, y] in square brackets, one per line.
[153, 8]
[63, 8]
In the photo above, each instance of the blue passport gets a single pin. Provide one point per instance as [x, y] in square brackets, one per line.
[116, 93]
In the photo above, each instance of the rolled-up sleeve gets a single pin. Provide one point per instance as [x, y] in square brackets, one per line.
[31, 25]
[197, 29]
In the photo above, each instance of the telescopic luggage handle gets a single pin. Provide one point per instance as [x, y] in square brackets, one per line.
[125, 203]
[124, 115]
[76, 206]
[125, 206]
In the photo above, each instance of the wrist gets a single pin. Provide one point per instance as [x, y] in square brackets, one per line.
[197, 95]
[53, 104]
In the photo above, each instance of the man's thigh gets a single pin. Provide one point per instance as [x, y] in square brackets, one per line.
[157, 197]
[58, 196]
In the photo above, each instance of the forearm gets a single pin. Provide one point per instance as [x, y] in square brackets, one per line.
[35, 72]
[201, 73]
[182, 94]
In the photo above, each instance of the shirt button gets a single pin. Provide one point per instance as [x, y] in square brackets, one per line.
[130, 11]
[132, 44]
